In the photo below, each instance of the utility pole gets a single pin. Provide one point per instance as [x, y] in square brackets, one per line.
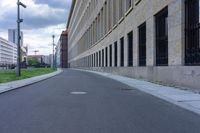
[19, 20]
[53, 65]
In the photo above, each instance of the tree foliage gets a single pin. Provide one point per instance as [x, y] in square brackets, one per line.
[33, 61]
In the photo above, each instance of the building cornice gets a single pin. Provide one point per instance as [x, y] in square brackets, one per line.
[71, 12]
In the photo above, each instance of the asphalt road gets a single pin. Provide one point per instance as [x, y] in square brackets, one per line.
[107, 107]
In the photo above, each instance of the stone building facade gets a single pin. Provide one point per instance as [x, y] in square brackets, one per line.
[156, 40]
[62, 50]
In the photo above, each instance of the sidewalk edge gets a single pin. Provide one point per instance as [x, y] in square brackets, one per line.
[27, 82]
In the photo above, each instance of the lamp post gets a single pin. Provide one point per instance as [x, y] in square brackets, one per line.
[19, 20]
[53, 65]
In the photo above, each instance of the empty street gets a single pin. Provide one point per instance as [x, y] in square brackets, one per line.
[80, 102]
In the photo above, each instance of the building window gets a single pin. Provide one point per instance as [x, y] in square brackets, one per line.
[87, 62]
[114, 12]
[130, 49]
[105, 18]
[99, 58]
[109, 14]
[98, 26]
[128, 4]
[102, 22]
[106, 56]
[142, 44]
[162, 38]
[110, 55]
[121, 8]
[122, 52]
[88, 58]
[94, 60]
[102, 57]
[115, 49]
[192, 32]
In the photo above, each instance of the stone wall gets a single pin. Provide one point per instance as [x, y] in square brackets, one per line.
[175, 73]
[182, 76]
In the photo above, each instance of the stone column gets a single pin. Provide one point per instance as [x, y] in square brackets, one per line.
[135, 47]
[150, 45]
[118, 53]
[113, 55]
[108, 55]
[176, 32]
[125, 50]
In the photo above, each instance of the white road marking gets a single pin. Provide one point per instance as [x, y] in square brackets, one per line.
[78, 93]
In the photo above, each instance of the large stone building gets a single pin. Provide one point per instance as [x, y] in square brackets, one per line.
[157, 40]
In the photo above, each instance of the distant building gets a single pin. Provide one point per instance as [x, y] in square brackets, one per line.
[46, 59]
[8, 53]
[58, 54]
[12, 36]
[62, 50]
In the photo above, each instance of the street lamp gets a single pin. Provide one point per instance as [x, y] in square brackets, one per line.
[53, 65]
[19, 20]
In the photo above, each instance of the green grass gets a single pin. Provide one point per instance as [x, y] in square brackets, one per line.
[10, 75]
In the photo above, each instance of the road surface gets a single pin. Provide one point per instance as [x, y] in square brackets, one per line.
[80, 102]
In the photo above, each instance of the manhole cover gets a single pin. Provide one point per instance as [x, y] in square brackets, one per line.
[78, 93]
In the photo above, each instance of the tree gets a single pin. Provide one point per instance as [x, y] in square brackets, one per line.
[32, 61]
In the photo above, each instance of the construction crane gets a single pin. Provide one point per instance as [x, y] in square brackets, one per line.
[36, 51]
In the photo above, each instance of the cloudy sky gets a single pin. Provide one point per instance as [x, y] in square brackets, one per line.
[42, 18]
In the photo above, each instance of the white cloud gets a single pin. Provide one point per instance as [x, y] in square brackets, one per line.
[42, 42]
[41, 20]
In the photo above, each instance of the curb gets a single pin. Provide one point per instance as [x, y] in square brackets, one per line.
[13, 85]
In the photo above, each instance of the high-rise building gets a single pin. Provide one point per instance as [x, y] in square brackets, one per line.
[157, 40]
[12, 36]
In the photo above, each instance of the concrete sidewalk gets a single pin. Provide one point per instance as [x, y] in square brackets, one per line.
[4, 87]
[183, 98]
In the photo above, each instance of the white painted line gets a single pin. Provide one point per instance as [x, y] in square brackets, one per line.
[78, 93]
